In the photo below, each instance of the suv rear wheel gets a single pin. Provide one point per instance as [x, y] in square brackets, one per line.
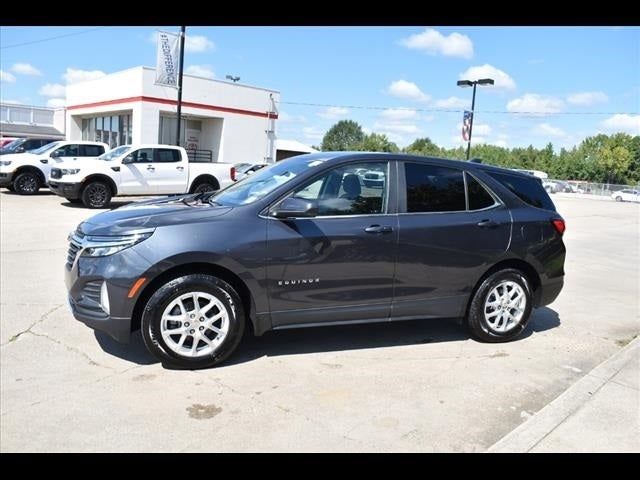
[194, 321]
[501, 306]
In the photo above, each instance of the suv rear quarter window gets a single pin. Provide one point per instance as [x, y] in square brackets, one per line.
[91, 150]
[431, 188]
[528, 189]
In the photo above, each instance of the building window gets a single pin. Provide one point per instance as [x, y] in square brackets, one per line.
[113, 130]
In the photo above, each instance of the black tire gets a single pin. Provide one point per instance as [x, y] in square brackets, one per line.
[27, 183]
[618, 199]
[74, 200]
[204, 186]
[477, 322]
[160, 300]
[96, 195]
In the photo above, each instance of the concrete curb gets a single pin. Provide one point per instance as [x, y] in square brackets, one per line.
[533, 431]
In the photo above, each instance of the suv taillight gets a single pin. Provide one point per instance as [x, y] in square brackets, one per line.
[559, 225]
[233, 173]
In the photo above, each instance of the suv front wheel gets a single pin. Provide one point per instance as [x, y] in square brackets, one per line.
[194, 321]
[501, 306]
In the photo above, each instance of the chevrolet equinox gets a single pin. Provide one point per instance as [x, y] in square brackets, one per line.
[313, 241]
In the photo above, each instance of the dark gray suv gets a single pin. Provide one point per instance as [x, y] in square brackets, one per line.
[309, 241]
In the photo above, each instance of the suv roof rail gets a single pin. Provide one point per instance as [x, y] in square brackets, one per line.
[476, 160]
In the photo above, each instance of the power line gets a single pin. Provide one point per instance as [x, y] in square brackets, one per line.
[50, 38]
[449, 110]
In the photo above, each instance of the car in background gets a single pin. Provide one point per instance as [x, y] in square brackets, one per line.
[626, 195]
[21, 145]
[243, 170]
[27, 172]
[6, 141]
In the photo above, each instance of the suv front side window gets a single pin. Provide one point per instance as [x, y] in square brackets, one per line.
[354, 189]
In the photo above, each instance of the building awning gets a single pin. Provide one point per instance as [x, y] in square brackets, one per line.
[293, 146]
[25, 130]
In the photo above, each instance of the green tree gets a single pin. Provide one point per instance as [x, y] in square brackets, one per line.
[377, 142]
[344, 135]
[423, 146]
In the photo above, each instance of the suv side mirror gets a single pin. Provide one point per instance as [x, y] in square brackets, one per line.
[55, 154]
[295, 207]
[127, 159]
[19, 149]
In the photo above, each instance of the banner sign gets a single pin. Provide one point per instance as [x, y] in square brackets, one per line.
[168, 59]
[466, 125]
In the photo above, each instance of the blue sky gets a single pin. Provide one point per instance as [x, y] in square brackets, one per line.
[573, 82]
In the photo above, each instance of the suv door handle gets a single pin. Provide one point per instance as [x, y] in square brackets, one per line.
[378, 229]
[487, 224]
[151, 168]
[180, 168]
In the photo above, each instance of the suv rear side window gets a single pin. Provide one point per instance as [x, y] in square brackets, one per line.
[165, 155]
[434, 189]
[479, 198]
[529, 190]
[91, 150]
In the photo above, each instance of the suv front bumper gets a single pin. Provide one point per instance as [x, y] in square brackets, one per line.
[66, 190]
[5, 179]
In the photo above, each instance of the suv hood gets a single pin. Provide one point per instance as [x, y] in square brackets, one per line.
[84, 163]
[149, 214]
[24, 156]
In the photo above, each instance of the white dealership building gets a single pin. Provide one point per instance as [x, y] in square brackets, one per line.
[222, 121]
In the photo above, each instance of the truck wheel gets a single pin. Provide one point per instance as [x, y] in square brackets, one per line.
[96, 195]
[27, 183]
[194, 321]
[204, 186]
[501, 307]
[618, 198]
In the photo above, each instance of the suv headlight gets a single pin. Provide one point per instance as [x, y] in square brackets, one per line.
[102, 246]
[5, 163]
[69, 171]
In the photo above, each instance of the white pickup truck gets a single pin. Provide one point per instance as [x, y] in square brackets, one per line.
[25, 173]
[147, 169]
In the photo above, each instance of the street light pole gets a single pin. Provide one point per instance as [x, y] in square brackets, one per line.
[473, 114]
[474, 83]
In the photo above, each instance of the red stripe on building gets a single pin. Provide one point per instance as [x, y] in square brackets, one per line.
[166, 101]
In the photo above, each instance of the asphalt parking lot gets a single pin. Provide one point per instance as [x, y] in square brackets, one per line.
[412, 386]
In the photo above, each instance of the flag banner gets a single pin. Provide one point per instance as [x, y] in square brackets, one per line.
[466, 125]
[168, 59]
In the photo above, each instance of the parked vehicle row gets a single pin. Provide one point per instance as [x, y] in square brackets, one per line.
[88, 172]
[626, 195]
[304, 243]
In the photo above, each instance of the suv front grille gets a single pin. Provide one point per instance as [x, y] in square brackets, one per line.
[74, 247]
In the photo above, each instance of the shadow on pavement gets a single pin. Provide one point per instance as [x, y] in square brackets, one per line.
[336, 338]
[40, 192]
[112, 205]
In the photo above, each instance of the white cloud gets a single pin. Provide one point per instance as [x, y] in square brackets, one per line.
[56, 102]
[6, 77]
[332, 113]
[433, 42]
[622, 122]
[534, 104]
[197, 44]
[286, 117]
[500, 143]
[53, 90]
[313, 133]
[26, 69]
[475, 140]
[408, 90]
[200, 71]
[586, 99]
[404, 128]
[398, 114]
[75, 75]
[501, 78]
[546, 130]
[452, 102]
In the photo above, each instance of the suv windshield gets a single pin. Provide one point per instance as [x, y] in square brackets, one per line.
[11, 146]
[265, 181]
[116, 152]
[45, 148]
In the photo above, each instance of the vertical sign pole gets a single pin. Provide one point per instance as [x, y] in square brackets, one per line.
[182, 35]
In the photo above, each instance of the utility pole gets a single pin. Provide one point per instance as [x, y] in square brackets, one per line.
[182, 35]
